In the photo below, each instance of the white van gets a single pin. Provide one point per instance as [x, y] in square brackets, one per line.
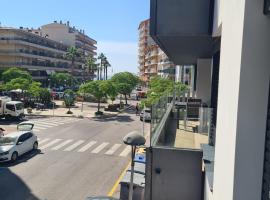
[11, 109]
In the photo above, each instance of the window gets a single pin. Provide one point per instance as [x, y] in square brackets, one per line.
[19, 106]
[10, 107]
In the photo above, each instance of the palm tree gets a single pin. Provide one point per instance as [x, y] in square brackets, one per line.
[72, 54]
[106, 65]
[91, 65]
[102, 59]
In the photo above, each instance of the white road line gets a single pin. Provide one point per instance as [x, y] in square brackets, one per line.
[113, 149]
[100, 147]
[36, 130]
[125, 152]
[50, 144]
[43, 141]
[42, 125]
[89, 145]
[59, 146]
[38, 127]
[70, 148]
[50, 123]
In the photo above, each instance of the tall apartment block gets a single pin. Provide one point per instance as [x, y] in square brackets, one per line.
[42, 51]
[152, 60]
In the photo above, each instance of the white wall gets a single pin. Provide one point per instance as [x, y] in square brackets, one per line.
[203, 88]
[242, 101]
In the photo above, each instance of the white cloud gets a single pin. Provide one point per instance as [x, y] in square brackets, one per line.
[123, 56]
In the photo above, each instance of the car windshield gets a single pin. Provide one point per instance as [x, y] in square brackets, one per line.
[7, 141]
[25, 127]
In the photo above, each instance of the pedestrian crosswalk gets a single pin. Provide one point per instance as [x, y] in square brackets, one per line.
[84, 146]
[43, 124]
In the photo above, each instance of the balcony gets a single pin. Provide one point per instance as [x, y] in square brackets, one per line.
[179, 132]
[183, 29]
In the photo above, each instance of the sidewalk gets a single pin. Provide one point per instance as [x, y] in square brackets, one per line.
[85, 110]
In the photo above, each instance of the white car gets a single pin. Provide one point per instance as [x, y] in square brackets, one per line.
[15, 144]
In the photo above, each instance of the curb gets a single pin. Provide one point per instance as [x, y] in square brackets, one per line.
[72, 116]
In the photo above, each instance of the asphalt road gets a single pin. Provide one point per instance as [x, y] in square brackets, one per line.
[76, 159]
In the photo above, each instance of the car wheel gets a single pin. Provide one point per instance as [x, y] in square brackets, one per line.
[14, 156]
[35, 146]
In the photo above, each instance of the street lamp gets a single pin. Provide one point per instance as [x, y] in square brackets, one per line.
[133, 139]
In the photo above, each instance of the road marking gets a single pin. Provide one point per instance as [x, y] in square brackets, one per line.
[113, 149]
[42, 125]
[50, 144]
[125, 152]
[43, 141]
[38, 127]
[59, 146]
[70, 148]
[100, 147]
[36, 130]
[89, 145]
[116, 184]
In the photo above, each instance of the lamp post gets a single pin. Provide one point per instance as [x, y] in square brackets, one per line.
[134, 139]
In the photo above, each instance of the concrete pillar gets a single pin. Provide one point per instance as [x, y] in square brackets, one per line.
[242, 101]
[203, 83]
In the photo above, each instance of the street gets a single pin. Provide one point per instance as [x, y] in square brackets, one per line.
[76, 158]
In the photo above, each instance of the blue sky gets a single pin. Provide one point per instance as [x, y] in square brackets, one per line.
[113, 23]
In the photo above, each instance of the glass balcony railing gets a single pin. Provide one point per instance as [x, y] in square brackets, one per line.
[183, 123]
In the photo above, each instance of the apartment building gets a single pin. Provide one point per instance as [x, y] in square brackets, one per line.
[228, 42]
[152, 60]
[70, 36]
[42, 51]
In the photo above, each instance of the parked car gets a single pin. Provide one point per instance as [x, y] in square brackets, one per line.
[18, 143]
[146, 114]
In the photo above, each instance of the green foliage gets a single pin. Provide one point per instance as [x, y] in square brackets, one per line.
[18, 83]
[127, 78]
[110, 89]
[161, 86]
[44, 96]
[91, 65]
[13, 73]
[73, 53]
[34, 89]
[98, 89]
[125, 82]
[62, 79]
[69, 97]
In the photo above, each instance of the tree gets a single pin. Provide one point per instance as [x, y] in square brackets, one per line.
[102, 59]
[72, 54]
[62, 79]
[161, 86]
[106, 65]
[45, 96]
[69, 99]
[95, 88]
[13, 73]
[34, 89]
[110, 89]
[125, 82]
[91, 65]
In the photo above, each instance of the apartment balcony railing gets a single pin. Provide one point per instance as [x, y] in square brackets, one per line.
[179, 130]
[42, 55]
[40, 65]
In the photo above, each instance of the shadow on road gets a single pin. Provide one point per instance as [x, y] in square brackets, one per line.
[13, 187]
[119, 118]
[22, 159]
